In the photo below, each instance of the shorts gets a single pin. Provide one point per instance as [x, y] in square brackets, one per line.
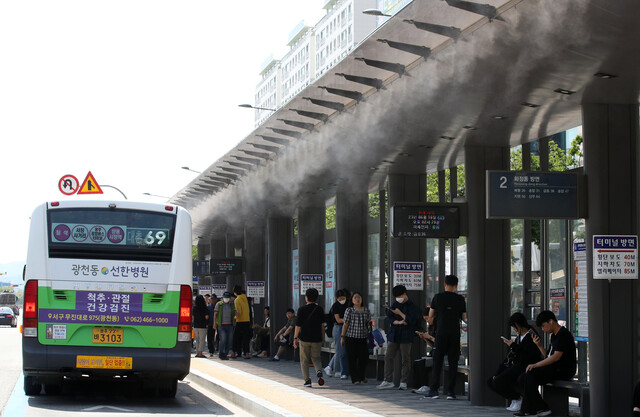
[285, 343]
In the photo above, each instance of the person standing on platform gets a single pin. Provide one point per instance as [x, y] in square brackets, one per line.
[447, 309]
[200, 320]
[211, 331]
[224, 318]
[559, 364]
[355, 338]
[242, 332]
[309, 335]
[338, 366]
[402, 318]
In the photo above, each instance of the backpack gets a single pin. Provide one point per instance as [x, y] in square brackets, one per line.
[329, 320]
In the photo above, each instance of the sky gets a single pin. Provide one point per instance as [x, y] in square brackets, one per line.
[130, 91]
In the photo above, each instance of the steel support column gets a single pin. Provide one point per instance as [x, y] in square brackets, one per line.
[489, 284]
[610, 162]
[311, 225]
[279, 282]
[351, 242]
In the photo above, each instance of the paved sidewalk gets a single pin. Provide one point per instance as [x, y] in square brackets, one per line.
[270, 388]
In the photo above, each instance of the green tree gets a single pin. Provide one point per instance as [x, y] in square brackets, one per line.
[432, 184]
[374, 205]
[330, 217]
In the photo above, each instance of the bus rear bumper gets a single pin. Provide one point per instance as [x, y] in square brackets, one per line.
[51, 363]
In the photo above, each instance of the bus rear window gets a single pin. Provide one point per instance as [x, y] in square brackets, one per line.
[7, 299]
[117, 234]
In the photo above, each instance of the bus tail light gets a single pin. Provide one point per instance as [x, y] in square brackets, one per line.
[30, 318]
[184, 314]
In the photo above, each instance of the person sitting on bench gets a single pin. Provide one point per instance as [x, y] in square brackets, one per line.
[560, 363]
[522, 352]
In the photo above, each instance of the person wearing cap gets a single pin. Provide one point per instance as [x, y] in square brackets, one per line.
[224, 320]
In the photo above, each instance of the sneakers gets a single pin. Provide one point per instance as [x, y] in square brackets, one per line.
[274, 359]
[543, 413]
[403, 386]
[451, 396]
[515, 405]
[320, 380]
[422, 390]
[386, 385]
[307, 383]
[343, 377]
[432, 394]
[327, 371]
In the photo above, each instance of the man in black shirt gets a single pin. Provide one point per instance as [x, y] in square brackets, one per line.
[310, 335]
[447, 309]
[560, 363]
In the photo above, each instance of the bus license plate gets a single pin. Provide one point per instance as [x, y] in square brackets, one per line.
[108, 335]
[104, 362]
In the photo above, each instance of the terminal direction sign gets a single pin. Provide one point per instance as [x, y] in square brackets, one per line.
[532, 195]
[90, 185]
[615, 257]
[218, 289]
[409, 274]
[311, 281]
[255, 289]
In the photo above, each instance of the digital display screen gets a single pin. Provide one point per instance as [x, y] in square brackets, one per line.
[229, 266]
[109, 234]
[428, 221]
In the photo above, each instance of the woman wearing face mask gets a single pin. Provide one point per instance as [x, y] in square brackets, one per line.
[339, 363]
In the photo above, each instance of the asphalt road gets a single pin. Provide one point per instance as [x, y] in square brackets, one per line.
[114, 398]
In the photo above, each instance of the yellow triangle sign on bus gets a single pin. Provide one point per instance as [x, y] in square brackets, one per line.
[90, 185]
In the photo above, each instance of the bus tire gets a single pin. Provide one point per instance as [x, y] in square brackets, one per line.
[169, 388]
[31, 386]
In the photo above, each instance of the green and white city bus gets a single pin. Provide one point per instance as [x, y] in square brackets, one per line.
[107, 294]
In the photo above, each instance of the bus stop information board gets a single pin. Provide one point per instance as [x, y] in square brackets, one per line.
[230, 266]
[425, 221]
[532, 195]
[615, 257]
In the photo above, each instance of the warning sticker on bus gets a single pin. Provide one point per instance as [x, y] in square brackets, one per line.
[104, 362]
